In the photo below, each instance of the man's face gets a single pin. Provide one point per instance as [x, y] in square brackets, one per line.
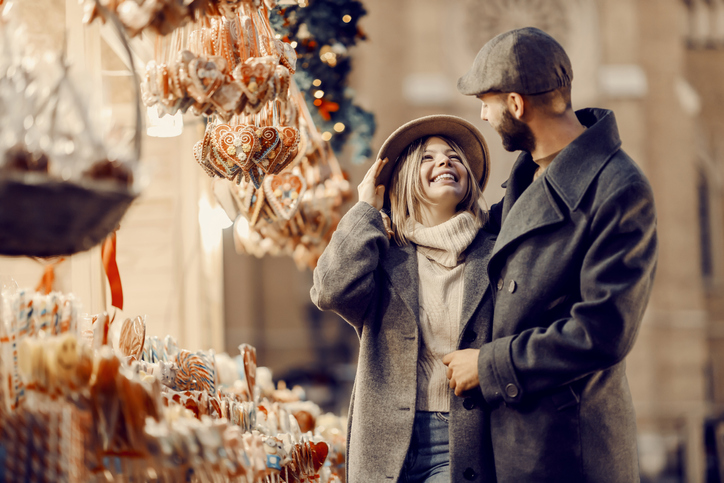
[515, 134]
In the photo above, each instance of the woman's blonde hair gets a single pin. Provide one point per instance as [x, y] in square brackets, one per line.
[406, 192]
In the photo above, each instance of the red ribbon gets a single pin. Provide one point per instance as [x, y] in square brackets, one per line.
[108, 252]
[46, 281]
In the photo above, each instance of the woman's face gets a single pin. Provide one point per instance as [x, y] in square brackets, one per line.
[442, 173]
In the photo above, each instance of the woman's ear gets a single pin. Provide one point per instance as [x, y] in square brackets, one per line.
[516, 105]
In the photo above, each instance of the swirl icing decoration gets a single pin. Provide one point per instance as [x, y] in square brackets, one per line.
[133, 334]
[246, 150]
[195, 372]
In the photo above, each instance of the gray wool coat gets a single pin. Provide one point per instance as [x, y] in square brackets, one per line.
[572, 269]
[373, 284]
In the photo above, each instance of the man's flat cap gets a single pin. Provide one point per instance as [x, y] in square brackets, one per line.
[527, 61]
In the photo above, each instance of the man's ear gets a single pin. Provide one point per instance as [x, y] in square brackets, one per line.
[516, 105]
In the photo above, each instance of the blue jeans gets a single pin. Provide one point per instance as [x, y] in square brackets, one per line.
[428, 458]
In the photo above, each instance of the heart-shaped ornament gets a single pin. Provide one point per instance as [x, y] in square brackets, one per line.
[319, 454]
[284, 192]
[206, 76]
[267, 147]
[290, 137]
[233, 143]
[289, 55]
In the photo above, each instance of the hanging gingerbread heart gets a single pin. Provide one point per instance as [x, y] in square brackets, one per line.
[267, 147]
[202, 151]
[288, 55]
[284, 192]
[222, 166]
[256, 76]
[282, 81]
[290, 137]
[206, 76]
[232, 144]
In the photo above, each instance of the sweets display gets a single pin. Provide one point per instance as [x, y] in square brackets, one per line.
[83, 410]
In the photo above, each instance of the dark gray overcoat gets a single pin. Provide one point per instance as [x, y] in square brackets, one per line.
[373, 284]
[572, 269]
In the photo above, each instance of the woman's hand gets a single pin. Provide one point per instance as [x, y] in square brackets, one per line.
[462, 370]
[368, 190]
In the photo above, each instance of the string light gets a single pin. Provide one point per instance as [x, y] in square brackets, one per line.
[339, 127]
[293, 44]
[326, 135]
[347, 19]
[319, 94]
[317, 82]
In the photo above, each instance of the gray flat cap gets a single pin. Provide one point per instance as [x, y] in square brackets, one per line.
[467, 136]
[527, 61]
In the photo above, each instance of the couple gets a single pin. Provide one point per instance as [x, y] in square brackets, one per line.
[492, 343]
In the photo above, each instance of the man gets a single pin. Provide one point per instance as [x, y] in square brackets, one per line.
[571, 272]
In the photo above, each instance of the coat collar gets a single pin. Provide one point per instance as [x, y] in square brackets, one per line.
[574, 169]
[567, 174]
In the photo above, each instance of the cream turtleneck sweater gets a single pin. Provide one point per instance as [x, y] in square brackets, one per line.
[440, 262]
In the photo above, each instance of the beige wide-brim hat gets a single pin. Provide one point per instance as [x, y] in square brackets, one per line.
[467, 136]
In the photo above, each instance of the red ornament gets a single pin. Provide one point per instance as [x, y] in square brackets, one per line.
[325, 107]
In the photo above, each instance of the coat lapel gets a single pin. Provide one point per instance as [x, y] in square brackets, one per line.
[475, 275]
[534, 209]
[401, 268]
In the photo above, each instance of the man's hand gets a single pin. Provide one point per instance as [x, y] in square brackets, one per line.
[462, 370]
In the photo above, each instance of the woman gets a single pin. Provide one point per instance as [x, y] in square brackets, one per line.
[414, 298]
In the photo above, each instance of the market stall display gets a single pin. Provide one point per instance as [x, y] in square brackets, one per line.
[91, 398]
[77, 413]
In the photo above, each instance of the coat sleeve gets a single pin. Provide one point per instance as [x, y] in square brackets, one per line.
[344, 279]
[615, 283]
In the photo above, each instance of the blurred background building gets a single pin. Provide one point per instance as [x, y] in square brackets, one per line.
[658, 64]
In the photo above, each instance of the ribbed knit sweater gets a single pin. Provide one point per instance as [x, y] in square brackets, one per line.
[440, 261]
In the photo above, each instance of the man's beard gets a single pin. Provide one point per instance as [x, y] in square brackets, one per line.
[516, 134]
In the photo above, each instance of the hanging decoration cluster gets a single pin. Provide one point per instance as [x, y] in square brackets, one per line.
[322, 32]
[276, 173]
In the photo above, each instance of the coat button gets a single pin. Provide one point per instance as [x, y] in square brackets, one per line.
[470, 474]
[511, 286]
[500, 284]
[511, 390]
[469, 403]
[470, 336]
